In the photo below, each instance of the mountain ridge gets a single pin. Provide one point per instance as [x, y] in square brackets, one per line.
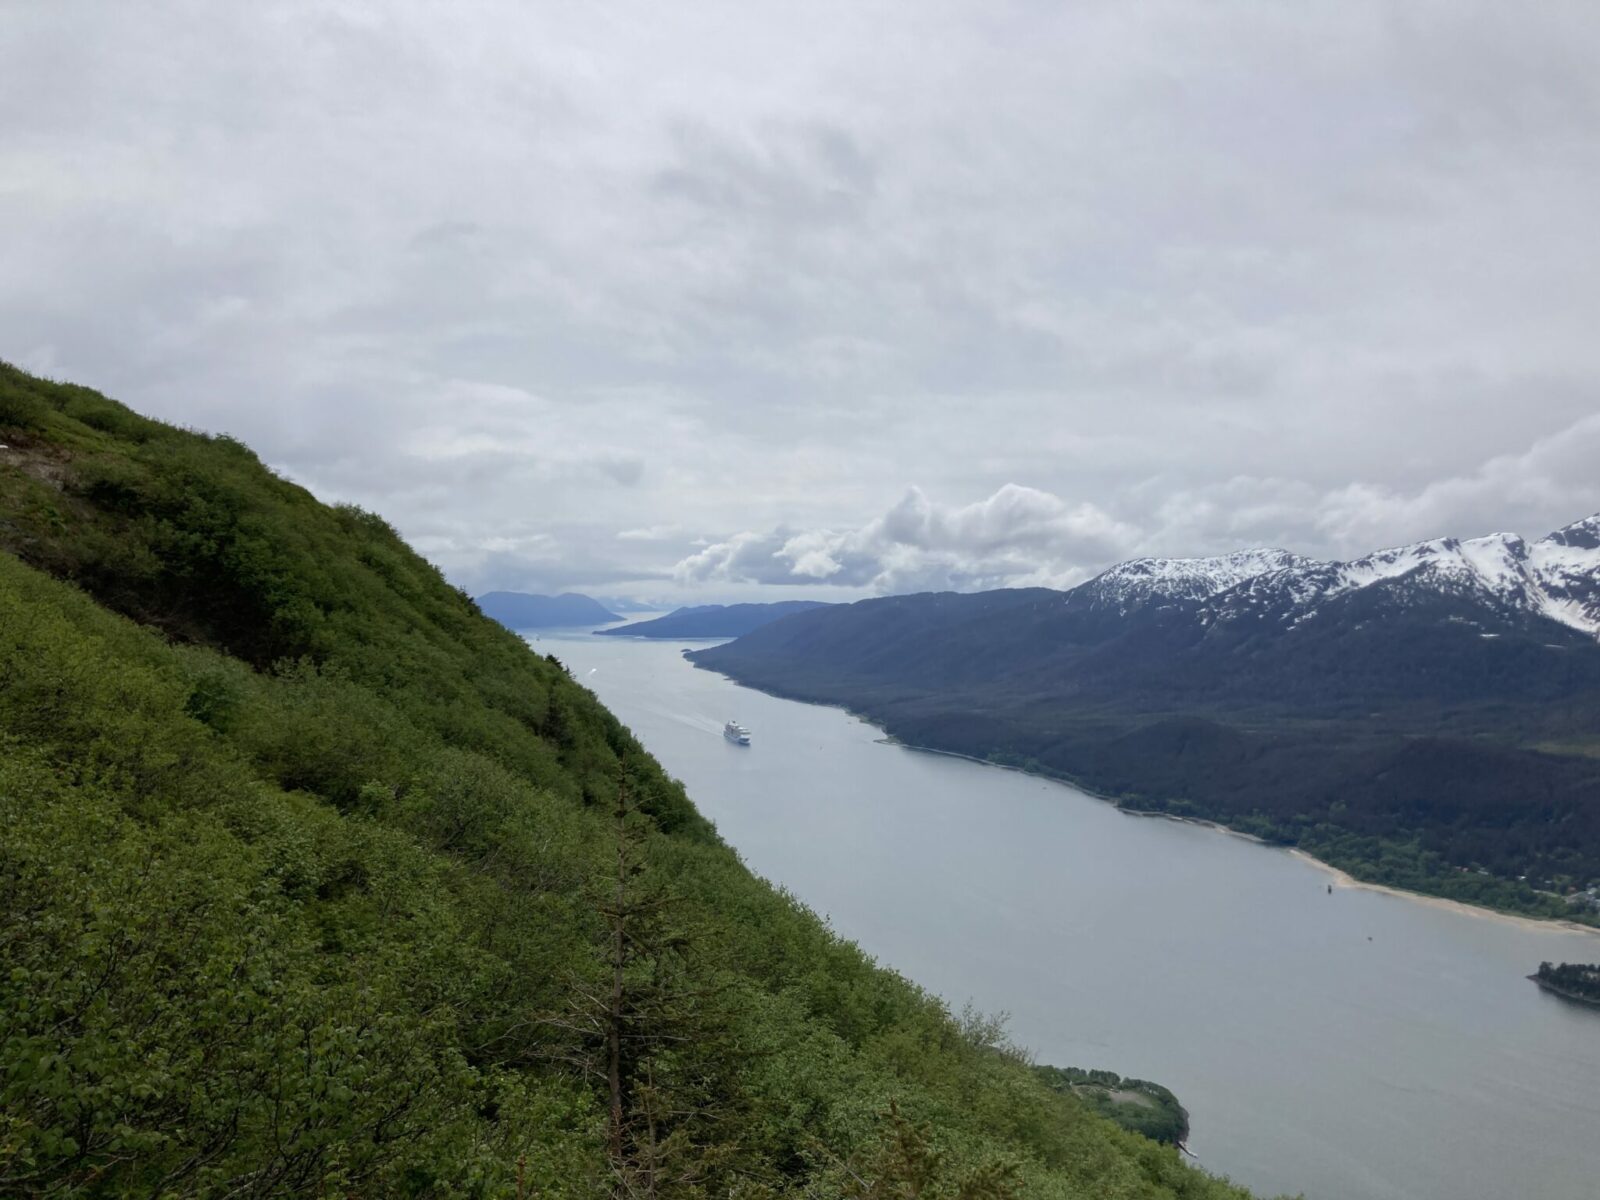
[1328, 705]
[712, 620]
[528, 610]
[1557, 577]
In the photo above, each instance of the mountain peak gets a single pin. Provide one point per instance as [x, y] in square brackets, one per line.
[1142, 579]
[1582, 535]
[1557, 577]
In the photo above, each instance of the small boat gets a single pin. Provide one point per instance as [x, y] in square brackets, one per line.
[736, 733]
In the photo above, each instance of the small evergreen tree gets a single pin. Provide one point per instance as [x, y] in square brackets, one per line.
[637, 1025]
[904, 1165]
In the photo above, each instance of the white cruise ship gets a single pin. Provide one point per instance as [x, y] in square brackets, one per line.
[736, 733]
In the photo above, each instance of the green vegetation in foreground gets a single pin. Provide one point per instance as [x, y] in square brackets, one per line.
[1135, 1104]
[314, 881]
[1576, 981]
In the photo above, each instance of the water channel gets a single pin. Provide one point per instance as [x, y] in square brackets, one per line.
[1352, 1046]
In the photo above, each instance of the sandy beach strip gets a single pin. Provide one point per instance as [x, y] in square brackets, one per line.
[1343, 879]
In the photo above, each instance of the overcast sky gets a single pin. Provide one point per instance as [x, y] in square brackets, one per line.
[684, 301]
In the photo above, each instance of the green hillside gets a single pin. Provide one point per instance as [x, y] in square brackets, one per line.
[315, 881]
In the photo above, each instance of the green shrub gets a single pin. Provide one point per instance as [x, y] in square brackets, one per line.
[303, 862]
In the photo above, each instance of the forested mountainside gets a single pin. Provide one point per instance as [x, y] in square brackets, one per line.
[1427, 717]
[315, 881]
[713, 620]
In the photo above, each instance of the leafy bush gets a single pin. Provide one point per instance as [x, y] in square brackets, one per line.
[301, 860]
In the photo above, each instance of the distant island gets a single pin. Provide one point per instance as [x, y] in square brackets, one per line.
[1134, 1104]
[522, 610]
[1575, 981]
[714, 620]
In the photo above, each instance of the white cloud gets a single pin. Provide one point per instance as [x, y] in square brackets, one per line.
[1024, 537]
[1559, 473]
[1318, 275]
[651, 533]
[1018, 534]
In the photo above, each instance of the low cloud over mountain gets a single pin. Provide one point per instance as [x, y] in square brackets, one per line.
[1022, 536]
[1019, 532]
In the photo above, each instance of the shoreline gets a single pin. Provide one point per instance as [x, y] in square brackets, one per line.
[1574, 997]
[888, 739]
[1341, 878]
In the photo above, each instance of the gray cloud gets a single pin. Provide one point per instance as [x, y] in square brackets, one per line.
[1022, 537]
[1017, 535]
[566, 291]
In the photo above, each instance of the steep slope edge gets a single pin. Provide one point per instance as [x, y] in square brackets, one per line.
[308, 875]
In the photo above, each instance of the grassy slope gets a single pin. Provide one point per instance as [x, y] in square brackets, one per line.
[298, 852]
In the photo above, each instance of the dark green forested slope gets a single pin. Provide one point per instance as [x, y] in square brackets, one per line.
[1398, 741]
[1576, 981]
[311, 877]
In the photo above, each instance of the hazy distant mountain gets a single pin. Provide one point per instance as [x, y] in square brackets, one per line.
[1443, 696]
[715, 620]
[521, 610]
[627, 604]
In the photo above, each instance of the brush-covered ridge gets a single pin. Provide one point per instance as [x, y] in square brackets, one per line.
[309, 876]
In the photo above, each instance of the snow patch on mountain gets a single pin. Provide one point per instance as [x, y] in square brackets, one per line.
[1567, 565]
[1557, 577]
[1496, 565]
[1138, 581]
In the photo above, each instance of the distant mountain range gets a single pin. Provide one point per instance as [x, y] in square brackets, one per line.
[523, 610]
[1408, 714]
[1557, 577]
[714, 620]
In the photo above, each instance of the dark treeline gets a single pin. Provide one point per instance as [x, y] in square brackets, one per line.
[1581, 981]
[1136, 1104]
[315, 881]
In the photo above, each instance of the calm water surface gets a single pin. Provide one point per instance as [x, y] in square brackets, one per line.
[1356, 1046]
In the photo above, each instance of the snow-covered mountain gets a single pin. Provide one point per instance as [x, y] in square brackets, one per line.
[1439, 699]
[1138, 581]
[1567, 565]
[1557, 577]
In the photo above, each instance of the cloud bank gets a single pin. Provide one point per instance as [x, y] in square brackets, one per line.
[1018, 535]
[678, 301]
[1023, 537]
